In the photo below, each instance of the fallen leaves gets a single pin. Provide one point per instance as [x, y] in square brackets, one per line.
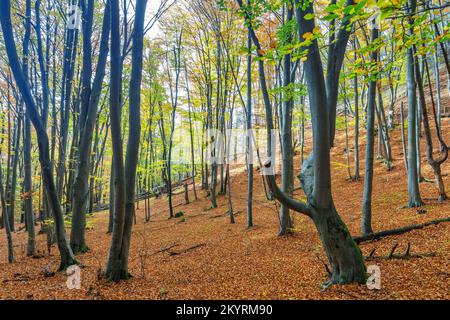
[216, 260]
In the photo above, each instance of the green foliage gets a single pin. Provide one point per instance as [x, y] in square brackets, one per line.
[179, 214]
[291, 92]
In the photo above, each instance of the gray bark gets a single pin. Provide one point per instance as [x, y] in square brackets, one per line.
[366, 223]
[90, 99]
[287, 166]
[117, 264]
[249, 127]
[114, 263]
[415, 199]
[344, 255]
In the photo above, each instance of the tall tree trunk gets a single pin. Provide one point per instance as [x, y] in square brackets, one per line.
[249, 146]
[366, 223]
[69, 58]
[15, 162]
[191, 132]
[287, 168]
[6, 220]
[384, 129]
[402, 122]
[88, 118]
[134, 134]
[28, 187]
[415, 199]
[117, 265]
[28, 183]
[114, 264]
[356, 176]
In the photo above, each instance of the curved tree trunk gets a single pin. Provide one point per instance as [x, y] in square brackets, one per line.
[344, 255]
[87, 122]
[434, 163]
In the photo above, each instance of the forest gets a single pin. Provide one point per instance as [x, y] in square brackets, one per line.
[224, 150]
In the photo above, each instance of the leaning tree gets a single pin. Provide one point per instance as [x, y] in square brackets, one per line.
[344, 255]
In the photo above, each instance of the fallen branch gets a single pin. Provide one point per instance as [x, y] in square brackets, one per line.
[382, 234]
[402, 256]
[226, 214]
[371, 253]
[165, 249]
[19, 278]
[171, 253]
[218, 216]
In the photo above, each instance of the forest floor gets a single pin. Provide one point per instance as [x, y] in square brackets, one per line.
[203, 256]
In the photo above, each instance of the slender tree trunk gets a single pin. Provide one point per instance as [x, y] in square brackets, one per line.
[112, 191]
[134, 135]
[28, 188]
[366, 223]
[114, 263]
[415, 199]
[15, 162]
[438, 89]
[384, 129]
[287, 168]
[69, 58]
[249, 128]
[191, 131]
[117, 265]
[402, 121]
[90, 99]
[28, 183]
[6, 220]
[356, 176]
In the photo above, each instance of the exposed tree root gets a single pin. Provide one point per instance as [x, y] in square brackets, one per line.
[382, 234]
[402, 256]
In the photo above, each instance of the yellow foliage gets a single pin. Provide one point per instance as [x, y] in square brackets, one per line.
[308, 36]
